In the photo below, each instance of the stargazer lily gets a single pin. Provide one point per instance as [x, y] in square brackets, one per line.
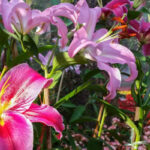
[117, 7]
[142, 31]
[102, 48]
[18, 89]
[17, 14]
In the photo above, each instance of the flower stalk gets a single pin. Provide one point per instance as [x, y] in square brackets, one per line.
[98, 120]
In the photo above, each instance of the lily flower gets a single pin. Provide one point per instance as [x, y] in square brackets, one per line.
[53, 14]
[142, 31]
[117, 7]
[19, 15]
[19, 87]
[100, 47]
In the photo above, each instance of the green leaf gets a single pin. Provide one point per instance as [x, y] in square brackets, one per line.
[97, 88]
[77, 113]
[19, 59]
[67, 1]
[69, 105]
[29, 44]
[63, 60]
[86, 119]
[145, 10]
[96, 73]
[10, 34]
[94, 144]
[72, 141]
[3, 38]
[24, 56]
[114, 110]
[137, 3]
[45, 48]
[56, 77]
[29, 2]
[72, 93]
[140, 56]
[54, 2]
[67, 21]
[132, 14]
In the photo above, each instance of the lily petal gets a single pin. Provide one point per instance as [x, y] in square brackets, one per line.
[146, 49]
[24, 85]
[88, 16]
[114, 79]
[37, 18]
[62, 30]
[16, 133]
[80, 41]
[47, 115]
[99, 33]
[66, 10]
[116, 53]
[15, 9]
[117, 7]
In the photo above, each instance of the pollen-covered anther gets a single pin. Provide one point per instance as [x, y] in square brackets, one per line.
[119, 27]
[2, 120]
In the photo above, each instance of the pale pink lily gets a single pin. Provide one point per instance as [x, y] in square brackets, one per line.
[18, 89]
[142, 31]
[77, 14]
[54, 13]
[17, 14]
[104, 52]
[117, 7]
[88, 17]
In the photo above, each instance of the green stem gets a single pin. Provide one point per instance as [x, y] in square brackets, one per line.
[139, 115]
[102, 121]
[127, 120]
[50, 59]
[42, 66]
[100, 3]
[3, 72]
[60, 86]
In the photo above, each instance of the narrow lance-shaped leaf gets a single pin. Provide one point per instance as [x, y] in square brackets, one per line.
[72, 93]
[77, 113]
[137, 3]
[127, 120]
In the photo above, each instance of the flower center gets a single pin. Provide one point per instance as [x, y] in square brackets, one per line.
[3, 107]
[3, 104]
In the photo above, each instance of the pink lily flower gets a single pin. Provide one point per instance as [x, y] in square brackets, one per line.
[142, 31]
[105, 52]
[18, 89]
[117, 7]
[74, 13]
[19, 15]
[54, 13]
[88, 17]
